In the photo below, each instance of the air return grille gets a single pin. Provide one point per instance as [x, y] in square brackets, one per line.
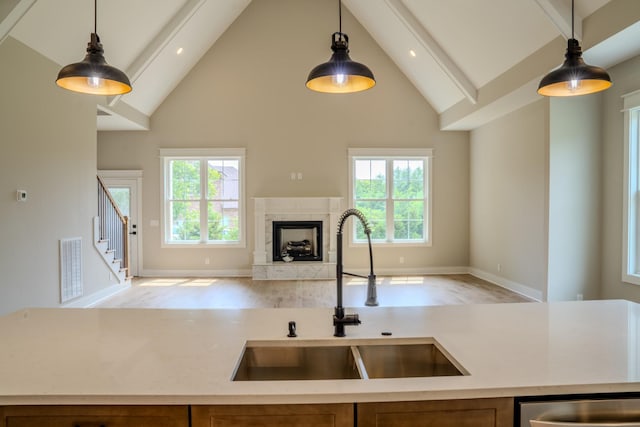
[70, 269]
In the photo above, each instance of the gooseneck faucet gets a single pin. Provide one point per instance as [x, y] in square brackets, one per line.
[339, 318]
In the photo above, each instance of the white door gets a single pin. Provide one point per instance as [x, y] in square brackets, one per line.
[126, 188]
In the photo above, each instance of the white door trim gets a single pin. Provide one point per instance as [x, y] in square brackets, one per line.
[129, 177]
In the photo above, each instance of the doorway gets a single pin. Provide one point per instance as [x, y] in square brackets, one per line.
[125, 187]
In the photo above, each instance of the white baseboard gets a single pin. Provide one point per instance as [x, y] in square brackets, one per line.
[96, 297]
[421, 271]
[506, 283]
[195, 273]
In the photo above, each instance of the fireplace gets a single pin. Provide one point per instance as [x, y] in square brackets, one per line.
[315, 212]
[297, 241]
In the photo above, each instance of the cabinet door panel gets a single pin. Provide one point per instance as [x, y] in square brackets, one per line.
[320, 415]
[443, 413]
[95, 416]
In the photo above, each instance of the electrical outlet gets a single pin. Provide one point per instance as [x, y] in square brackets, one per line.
[499, 267]
[21, 195]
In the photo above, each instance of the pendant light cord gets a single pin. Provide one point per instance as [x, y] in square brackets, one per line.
[339, 16]
[572, 17]
[95, 16]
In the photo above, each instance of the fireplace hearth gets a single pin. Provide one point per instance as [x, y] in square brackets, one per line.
[297, 241]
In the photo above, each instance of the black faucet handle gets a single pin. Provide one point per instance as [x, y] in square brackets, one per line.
[348, 319]
[352, 319]
[340, 322]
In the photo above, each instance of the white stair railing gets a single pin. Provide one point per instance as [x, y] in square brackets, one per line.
[113, 228]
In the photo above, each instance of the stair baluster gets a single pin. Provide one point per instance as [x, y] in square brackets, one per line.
[114, 227]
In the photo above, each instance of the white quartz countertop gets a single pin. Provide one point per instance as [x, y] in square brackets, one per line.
[142, 356]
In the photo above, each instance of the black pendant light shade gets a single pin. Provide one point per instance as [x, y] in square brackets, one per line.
[340, 74]
[574, 77]
[93, 75]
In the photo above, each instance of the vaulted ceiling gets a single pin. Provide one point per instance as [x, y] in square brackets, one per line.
[471, 60]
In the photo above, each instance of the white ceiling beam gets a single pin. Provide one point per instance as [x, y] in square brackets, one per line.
[163, 38]
[127, 112]
[506, 92]
[448, 66]
[10, 17]
[160, 41]
[560, 15]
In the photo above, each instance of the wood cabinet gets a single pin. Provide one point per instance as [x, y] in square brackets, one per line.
[441, 413]
[94, 416]
[316, 415]
[496, 412]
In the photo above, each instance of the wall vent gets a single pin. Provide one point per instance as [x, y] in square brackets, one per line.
[70, 269]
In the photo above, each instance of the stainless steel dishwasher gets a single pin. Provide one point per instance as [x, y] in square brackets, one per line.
[619, 411]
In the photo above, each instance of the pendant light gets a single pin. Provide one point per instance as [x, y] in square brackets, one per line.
[340, 74]
[574, 77]
[93, 75]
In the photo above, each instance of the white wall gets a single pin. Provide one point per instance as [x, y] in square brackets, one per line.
[626, 78]
[575, 136]
[49, 150]
[508, 208]
[248, 91]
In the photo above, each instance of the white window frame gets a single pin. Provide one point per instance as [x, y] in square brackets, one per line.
[425, 154]
[168, 154]
[631, 197]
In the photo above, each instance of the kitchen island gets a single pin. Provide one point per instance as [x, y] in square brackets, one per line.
[188, 357]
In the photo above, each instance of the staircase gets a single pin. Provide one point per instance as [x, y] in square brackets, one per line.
[111, 235]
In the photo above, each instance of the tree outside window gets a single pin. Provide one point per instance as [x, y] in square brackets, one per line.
[203, 200]
[184, 200]
[392, 192]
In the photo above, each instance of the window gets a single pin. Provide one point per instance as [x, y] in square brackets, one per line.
[392, 189]
[631, 201]
[203, 197]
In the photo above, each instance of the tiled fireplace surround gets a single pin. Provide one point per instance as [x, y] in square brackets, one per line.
[269, 209]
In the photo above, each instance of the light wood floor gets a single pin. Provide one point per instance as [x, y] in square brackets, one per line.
[199, 293]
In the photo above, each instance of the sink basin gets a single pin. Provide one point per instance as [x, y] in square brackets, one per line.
[406, 360]
[353, 359]
[264, 363]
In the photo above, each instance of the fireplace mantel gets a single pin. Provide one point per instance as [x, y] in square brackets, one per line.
[269, 209]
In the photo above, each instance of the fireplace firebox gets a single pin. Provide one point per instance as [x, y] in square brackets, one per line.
[297, 241]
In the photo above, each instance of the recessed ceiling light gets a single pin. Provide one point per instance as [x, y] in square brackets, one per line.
[412, 53]
[179, 51]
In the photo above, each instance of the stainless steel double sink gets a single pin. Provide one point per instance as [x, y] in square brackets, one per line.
[349, 359]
